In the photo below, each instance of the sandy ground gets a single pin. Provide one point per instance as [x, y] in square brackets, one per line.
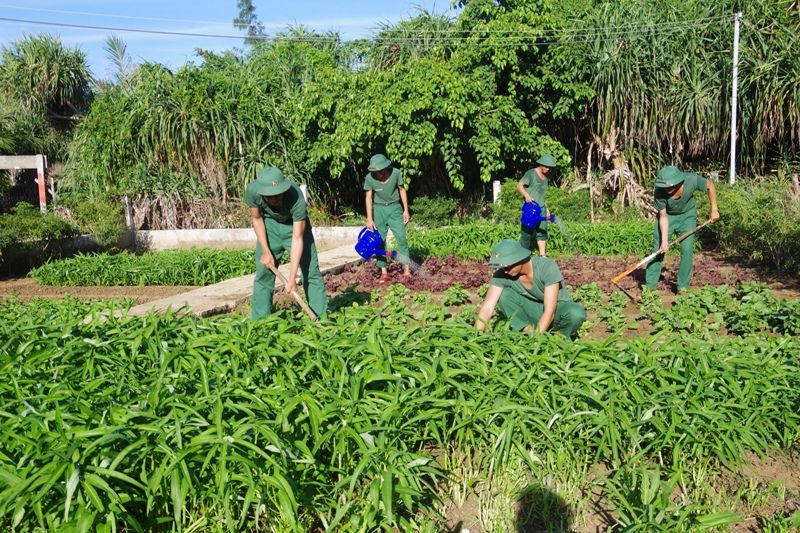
[26, 289]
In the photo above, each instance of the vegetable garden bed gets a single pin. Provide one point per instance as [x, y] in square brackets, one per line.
[368, 420]
[393, 413]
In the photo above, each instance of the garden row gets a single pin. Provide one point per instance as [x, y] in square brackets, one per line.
[205, 266]
[365, 420]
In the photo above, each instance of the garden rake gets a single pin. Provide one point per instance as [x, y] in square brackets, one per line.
[297, 298]
[644, 262]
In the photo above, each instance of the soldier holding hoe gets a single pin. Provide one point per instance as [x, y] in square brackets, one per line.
[676, 213]
[279, 214]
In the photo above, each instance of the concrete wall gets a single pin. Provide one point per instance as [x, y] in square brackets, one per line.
[326, 237]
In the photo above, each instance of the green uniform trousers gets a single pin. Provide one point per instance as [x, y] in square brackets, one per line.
[528, 236]
[390, 217]
[678, 224]
[279, 237]
[523, 312]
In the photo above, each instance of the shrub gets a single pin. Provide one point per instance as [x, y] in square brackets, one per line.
[26, 235]
[569, 206]
[434, 211]
[760, 223]
[101, 217]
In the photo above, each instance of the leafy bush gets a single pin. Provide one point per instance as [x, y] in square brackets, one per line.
[434, 212]
[760, 223]
[101, 217]
[28, 234]
[569, 206]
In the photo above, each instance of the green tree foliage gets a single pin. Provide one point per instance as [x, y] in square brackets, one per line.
[40, 72]
[23, 131]
[454, 102]
[663, 84]
[44, 90]
[248, 20]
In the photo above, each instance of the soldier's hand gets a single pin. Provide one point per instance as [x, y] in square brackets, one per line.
[291, 286]
[267, 261]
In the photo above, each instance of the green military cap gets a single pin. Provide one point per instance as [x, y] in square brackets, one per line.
[271, 182]
[547, 160]
[378, 162]
[508, 252]
[669, 177]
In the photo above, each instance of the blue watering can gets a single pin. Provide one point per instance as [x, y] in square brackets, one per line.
[369, 244]
[532, 215]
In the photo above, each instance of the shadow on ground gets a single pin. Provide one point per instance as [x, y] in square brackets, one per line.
[540, 509]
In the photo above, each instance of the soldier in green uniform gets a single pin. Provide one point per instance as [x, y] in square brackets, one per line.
[533, 186]
[676, 213]
[279, 214]
[387, 208]
[530, 292]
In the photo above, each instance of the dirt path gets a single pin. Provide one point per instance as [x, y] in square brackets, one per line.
[26, 289]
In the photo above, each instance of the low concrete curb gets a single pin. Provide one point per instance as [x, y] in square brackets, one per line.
[223, 238]
[227, 295]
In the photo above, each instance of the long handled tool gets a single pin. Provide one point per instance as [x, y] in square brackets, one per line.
[615, 280]
[297, 298]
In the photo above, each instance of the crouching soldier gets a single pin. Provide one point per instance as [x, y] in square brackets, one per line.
[531, 293]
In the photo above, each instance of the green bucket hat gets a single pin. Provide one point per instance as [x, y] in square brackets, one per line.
[271, 182]
[378, 162]
[669, 177]
[547, 160]
[508, 252]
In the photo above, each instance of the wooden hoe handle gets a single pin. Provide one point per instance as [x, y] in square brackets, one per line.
[297, 298]
[652, 256]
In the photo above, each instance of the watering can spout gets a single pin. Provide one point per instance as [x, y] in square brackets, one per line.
[370, 244]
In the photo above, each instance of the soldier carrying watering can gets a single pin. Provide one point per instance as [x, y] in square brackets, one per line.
[387, 208]
[533, 186]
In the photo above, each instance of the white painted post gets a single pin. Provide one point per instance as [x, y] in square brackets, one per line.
[304, 190]
[126, 201]
[496, 191]
[40, 180]
[734, 95]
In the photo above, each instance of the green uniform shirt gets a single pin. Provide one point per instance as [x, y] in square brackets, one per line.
[385, 192]
[293, 209]
[535, 187]
[685, 203]
[545, 272]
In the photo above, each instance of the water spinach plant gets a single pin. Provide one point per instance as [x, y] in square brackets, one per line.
[355, 422]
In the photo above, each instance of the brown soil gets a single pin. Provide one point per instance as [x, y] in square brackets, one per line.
[26, 289]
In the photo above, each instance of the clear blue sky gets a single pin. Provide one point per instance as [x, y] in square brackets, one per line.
[351, 18]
